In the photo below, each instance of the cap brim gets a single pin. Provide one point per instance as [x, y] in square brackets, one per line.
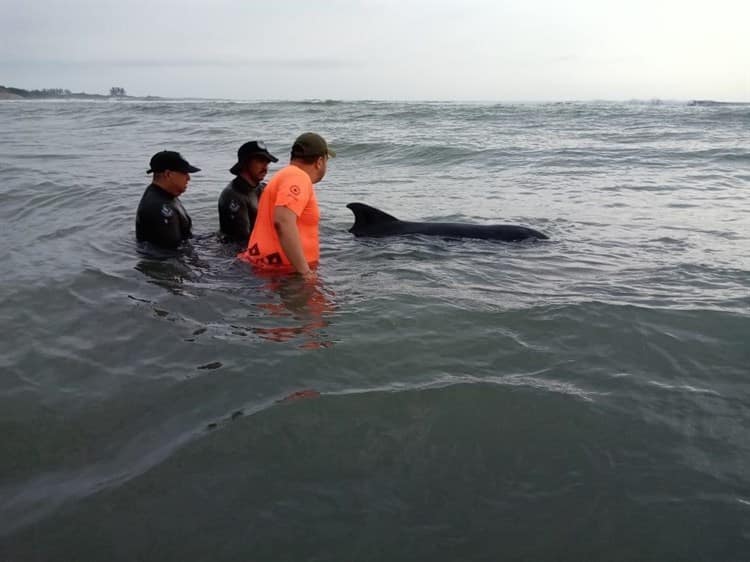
[267, 155]
[237, 168]
[331, 153]
[186, 170]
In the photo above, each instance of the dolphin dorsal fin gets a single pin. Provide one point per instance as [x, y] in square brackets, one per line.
[364, 215]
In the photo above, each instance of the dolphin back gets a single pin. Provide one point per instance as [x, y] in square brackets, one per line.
[368, 220]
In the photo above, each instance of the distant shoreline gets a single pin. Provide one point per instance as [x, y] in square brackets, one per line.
[9, 93]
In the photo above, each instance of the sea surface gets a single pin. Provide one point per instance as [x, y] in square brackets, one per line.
[581, 398]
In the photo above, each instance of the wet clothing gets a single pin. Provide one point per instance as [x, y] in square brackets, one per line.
[291, 188]
[238, 205]
[161, 219]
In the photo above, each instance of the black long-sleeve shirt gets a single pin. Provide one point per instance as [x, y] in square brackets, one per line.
[161, 219]
[238, 207]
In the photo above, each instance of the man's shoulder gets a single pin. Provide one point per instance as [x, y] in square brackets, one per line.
[159, 210]
[292, 175]
[155, 192]
[227, 191]
[292, 171]
[231, 196]
[157, 204]
[153, 197]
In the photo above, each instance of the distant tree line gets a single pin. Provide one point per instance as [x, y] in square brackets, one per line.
[44, 93]
[115, 92]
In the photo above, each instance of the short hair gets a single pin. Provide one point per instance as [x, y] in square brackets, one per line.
[306, 159]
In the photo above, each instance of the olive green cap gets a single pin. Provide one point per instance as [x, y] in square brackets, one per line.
[311, 144]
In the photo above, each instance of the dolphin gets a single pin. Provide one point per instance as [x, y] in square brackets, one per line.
[369, 221]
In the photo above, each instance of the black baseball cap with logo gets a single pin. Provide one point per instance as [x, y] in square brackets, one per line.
[170, 160]
[311, 144]
[251, 149]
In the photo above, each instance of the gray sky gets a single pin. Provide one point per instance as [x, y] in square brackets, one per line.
[505, 50]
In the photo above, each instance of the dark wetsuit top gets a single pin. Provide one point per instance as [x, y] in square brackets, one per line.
[161, 219]
[238, 205]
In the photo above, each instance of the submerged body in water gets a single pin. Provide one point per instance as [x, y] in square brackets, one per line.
[369, 221]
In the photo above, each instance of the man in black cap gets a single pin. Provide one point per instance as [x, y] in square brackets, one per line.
[161, 219]
[238, 203]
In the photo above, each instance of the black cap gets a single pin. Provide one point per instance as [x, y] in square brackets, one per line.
[311, 144]
[170, 160]
[249, 150]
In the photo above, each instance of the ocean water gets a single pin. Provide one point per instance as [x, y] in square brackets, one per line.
[581, 398]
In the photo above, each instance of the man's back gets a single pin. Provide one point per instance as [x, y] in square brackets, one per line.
[290, 188]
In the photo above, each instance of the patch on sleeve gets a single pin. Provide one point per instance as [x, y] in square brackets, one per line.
[166, 211]
[234, 206]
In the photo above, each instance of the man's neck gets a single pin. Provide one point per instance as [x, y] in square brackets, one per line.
[309, 169]
[248, 180]
[164, 188]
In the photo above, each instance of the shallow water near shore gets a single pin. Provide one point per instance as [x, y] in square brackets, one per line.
[584, 397]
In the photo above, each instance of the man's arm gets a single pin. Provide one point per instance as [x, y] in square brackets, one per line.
[285, 222]
[163, 226]
[234, 218]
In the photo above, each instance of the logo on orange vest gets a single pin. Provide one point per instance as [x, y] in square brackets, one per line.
[295, 190]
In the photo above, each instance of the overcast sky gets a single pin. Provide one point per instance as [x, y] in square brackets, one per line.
[505, 50]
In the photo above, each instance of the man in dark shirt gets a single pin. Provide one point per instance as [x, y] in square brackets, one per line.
[238, 203]
[161, 219]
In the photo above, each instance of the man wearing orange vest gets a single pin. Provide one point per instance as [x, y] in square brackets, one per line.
[285, 235]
